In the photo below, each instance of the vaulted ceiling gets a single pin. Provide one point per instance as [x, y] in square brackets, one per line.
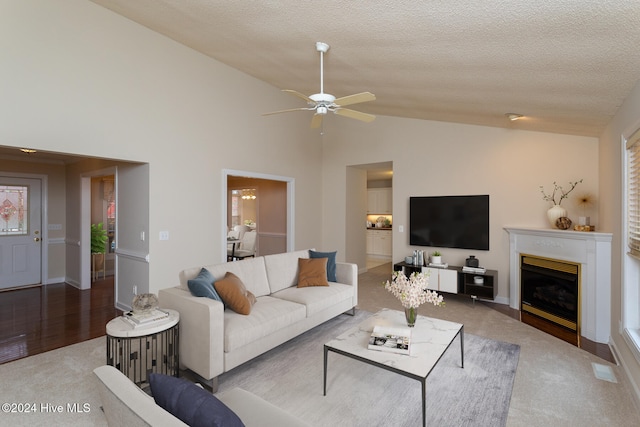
[566, 65]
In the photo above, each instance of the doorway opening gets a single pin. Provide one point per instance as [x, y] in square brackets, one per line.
[370, 214]
[261, 203]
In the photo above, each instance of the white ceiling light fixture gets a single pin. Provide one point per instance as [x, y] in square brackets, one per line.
[514, 116]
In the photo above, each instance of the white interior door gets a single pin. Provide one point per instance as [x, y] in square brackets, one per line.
[20, 232]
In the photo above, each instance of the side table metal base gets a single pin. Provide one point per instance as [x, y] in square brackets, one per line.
[137, 357]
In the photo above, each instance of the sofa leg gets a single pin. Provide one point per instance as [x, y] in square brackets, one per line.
[351, 312]
[211, 385]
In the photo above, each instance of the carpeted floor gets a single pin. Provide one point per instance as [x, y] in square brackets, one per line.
[290, 377]
[554, 383]
[46, 384]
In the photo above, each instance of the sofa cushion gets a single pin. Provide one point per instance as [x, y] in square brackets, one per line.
[234, 294]
[331, 263]
[255, 411]
[268, 316]
[318, 298]
[202, 285]
[190, 403]
[282, 269]
[312, 272]
[251, 271]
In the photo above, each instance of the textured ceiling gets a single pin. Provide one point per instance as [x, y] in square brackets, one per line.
[567, 65]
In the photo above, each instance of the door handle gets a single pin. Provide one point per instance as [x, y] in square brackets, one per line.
[36, 239]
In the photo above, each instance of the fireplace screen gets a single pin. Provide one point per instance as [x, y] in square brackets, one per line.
[550, 289]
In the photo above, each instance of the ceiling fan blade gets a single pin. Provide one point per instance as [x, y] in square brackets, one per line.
[355, 99]
[287, 111]
[299, 95]
[316, 121]
[352, 114]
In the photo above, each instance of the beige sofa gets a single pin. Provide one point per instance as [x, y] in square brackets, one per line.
[125, 404]
[214, 340]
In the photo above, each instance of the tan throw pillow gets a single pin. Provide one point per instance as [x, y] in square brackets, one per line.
[234, 294]
[312, 272]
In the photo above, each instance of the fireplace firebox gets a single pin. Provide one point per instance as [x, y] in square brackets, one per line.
[550, 296]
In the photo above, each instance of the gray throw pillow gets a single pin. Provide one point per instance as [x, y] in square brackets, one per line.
[331, 263]
[202, 285]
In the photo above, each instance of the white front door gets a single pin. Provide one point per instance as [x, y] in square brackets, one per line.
[20, 232]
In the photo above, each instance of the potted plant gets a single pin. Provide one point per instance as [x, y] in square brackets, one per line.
[98, 239]
[436, 258]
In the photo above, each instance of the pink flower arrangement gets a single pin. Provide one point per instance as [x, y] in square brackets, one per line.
[412, 292]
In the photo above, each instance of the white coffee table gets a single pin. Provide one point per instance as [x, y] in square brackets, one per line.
[430, 339]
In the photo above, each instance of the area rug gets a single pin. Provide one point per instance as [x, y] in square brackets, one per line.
[358, 394]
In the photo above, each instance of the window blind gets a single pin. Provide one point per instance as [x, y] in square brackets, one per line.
[633, 194]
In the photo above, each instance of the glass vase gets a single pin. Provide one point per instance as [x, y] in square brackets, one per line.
[411, 314]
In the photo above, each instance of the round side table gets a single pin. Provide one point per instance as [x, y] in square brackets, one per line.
[139, 351]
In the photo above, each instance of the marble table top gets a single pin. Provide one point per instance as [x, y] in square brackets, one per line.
[430, 338]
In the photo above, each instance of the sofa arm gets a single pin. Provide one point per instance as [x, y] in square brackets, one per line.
[125, 404]
[347, 273]
[201, 331]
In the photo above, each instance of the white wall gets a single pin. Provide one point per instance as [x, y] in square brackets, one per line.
[436, 158]
[77, 78]
[611, 164]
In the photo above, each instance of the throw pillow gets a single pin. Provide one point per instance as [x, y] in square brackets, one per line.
[191, 404]
[331, 263]
[234, 294]
[312, 272]
[202, 285]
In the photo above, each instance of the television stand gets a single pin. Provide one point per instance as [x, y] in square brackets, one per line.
[488, 290]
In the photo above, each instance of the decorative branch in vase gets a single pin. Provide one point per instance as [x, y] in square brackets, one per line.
[556, 197]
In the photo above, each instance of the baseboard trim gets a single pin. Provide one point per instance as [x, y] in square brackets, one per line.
[627, 374]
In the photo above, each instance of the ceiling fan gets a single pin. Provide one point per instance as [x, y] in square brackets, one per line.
[322, 102]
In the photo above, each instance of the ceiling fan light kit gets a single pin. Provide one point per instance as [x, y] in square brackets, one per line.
[321, 103]
[514, 116]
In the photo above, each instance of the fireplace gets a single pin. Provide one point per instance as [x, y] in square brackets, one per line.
[588, 253]
[550, 296]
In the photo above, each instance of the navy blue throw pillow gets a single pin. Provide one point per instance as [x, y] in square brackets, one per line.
[331, 263]
[191, 404]
[202, 285]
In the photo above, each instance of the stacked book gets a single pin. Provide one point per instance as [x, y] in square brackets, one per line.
[143, 319]
[390, 339]
[474, 270]
[438, 265]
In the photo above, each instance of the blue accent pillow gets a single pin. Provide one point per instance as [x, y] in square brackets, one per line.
[331, 263]
[202, 285]
[191, 404]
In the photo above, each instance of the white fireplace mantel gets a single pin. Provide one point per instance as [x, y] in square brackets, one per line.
[590, 249]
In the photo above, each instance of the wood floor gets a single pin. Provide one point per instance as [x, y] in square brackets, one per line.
[42, 318]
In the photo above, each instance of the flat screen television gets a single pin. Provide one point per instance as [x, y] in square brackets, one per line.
[450, 222]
